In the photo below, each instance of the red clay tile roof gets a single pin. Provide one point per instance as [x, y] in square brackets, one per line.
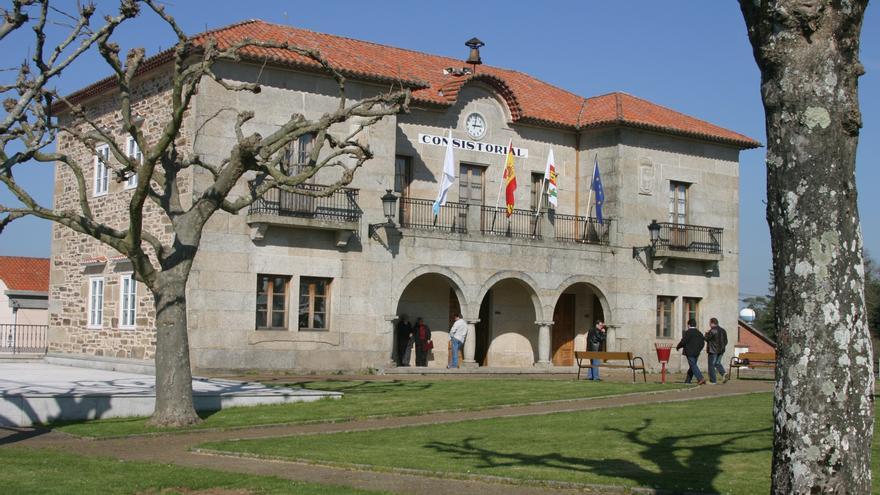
[21, 273]
[529, 100]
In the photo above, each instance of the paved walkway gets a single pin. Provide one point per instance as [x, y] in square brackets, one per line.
[176, 448]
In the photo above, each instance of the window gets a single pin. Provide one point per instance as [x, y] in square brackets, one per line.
[313, 303]
[96, 302]
[272, 302]
[402, 175]
[470, 184]
[536, 196]
[678, 202]
[102, 172]
[132, 150]
[691, 310]
[127, 301]
[296, 154]
[665, 309]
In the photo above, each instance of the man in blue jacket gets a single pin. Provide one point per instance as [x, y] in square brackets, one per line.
[692, 342]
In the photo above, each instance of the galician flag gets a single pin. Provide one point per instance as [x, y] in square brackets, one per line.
[550, 179]
[448, 176]
[600, 192]
[509, 179]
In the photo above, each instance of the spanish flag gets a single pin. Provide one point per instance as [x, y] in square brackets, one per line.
[509, 179]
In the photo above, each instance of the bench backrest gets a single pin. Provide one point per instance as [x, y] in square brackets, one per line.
[610, 356]
[758, 356]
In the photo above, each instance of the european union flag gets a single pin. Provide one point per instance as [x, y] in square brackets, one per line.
[600, 192]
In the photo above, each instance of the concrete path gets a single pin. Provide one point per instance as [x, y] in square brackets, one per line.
[37, 392]
[176, 448]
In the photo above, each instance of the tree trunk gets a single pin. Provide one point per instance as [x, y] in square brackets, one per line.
[807, 51]
[174, 402]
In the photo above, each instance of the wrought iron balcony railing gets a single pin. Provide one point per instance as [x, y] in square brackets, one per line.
[690, 238]
[340, 206]
[586, 230]
[521, 223]
[419, 214]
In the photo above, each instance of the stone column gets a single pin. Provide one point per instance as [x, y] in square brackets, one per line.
[543, 343]
[390, 332]
[470, 344]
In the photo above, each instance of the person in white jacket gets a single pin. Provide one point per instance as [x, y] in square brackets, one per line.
[457, 335]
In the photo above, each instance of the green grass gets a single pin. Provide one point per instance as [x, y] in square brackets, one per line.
[716, 445]
[45, 472]
[383, 398]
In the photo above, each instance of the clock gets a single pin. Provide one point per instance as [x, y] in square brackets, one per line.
[475, 125]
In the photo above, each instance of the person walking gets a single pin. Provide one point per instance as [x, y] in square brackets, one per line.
[404, 340]
[716, 344]
[692, 342]
[457, 335]
[422, 335]
[595, 338]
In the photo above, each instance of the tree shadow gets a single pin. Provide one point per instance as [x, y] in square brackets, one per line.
[364, 387]
[687, 462]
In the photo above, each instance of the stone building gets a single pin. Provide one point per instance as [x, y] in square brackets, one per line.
[301, 283]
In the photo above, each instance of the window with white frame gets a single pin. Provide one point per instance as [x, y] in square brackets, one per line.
[96, 302]
[127, 300]
[102, 171]
[132, 150]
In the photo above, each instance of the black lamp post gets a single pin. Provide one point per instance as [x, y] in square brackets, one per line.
[654, 229]
[389, 206]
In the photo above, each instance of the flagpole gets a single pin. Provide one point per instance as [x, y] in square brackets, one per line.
[590, 201]
[500, 187]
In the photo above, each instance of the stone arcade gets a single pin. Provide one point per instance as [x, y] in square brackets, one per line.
[302, 283]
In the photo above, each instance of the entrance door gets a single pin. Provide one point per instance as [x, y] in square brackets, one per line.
[481, 353]
[562, 346]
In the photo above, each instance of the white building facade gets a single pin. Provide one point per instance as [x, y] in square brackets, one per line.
[318, 284]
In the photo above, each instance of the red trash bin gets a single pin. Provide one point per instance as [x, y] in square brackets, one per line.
[663, 351]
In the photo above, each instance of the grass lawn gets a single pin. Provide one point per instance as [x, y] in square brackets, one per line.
[45, 472]
[715, 445]
[384, 398]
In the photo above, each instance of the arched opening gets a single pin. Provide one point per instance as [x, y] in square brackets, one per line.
[506, 335]
[433, 297]
[576, 310]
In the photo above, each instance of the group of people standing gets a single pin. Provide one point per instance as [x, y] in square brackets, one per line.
[692, 341]
[419, 335]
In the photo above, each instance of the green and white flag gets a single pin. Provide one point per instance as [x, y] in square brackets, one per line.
[550, 179]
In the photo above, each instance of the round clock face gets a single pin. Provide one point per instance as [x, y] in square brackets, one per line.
[476, 125]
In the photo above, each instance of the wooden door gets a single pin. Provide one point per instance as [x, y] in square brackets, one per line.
[562, 341]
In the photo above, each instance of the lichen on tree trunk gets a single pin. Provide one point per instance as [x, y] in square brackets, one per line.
[807, 51]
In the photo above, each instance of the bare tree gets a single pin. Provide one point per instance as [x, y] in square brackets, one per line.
[163, 263]
[807, 51]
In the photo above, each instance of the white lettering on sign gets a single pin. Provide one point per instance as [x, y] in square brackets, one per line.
[464, 144]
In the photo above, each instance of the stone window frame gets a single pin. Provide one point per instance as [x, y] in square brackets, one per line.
[101, 182]
[124, 309]
[270, 293]
[308, 299]
[132, 150]
[93, 309]
[669, 332]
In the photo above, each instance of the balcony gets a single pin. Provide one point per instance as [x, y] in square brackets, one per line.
[338, 211]
[585, 230]
[694, 242]
[418, 214]
[521, 223]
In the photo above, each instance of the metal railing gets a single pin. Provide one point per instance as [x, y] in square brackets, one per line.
[690, 238]
[23, 338]
[521, 223]
[340, 206]
[419, 214]
[587, 230]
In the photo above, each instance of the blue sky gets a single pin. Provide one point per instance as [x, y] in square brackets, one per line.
[690, 55]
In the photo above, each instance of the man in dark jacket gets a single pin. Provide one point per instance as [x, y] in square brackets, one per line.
[595, 338]
[692, 342]
[716, 343]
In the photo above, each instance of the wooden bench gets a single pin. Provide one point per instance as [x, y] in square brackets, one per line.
[766, 360]
[635, 363]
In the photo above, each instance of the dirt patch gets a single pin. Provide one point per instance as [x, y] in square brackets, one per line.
[187, 491]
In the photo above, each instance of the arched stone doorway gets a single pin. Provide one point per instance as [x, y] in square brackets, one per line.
[506, 335]
[578, 307]
[435, 298]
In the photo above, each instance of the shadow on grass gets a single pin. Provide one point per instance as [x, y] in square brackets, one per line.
[687, 462]
[363, 387]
